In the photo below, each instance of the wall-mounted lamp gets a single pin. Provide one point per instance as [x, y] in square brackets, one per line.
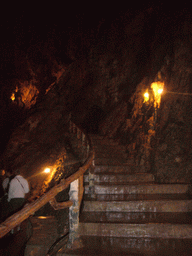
[146, 96]
[157, 88]
[47, 170]
[160, 91]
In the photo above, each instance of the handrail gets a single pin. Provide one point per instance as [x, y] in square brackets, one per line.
[49, 196]
[58, 244]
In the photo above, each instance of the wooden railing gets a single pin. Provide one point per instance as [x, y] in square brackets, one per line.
[75, 181]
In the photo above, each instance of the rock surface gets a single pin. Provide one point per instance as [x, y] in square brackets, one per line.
[103, 90]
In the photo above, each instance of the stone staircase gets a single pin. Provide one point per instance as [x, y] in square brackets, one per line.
[131, 214]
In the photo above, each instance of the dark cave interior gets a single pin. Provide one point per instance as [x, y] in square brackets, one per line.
[96, 66]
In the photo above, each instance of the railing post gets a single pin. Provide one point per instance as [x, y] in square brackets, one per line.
[87, 149]
[83, 139]
[91, 191]
[73, 213]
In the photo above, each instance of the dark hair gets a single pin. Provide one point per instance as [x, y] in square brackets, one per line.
[9, 170]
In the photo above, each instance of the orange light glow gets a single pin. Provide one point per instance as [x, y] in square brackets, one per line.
[157, 88]
[47, 170]
[160, 91]
[146, 96]
[2, 172]
[13, 96]
[42, 217]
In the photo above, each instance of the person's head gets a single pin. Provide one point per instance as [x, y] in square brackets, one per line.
[9, 172]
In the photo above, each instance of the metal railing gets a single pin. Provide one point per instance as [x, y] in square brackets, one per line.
[75, 181]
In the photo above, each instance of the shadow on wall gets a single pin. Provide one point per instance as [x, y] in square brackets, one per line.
[93, 119]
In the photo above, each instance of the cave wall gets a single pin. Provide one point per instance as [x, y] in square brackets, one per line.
[172, 160]
[110, 79]
[160, 139]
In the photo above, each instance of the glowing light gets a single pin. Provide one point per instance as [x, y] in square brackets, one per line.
[157, 88]
[2, 172]
[146, 96]
[160, 91]
[47, 170]
[13, 96]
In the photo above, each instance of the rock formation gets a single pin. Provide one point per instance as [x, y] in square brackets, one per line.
[103, 91]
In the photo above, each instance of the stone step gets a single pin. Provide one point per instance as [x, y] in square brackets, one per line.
[137, 217]
[137, 197]
[140, 189]
[151, 230]
[108, 147]
[110, 154]
[118, 246]
[126, 169]
[138, 206]
[121, 178]
[110, 161]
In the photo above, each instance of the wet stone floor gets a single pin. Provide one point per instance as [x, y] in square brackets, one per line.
[132, 246]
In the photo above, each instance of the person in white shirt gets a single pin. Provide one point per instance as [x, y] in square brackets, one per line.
[18, 188]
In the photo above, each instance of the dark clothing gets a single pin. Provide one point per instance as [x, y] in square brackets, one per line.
[4, 208]
[16, 204]
[1, 187]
